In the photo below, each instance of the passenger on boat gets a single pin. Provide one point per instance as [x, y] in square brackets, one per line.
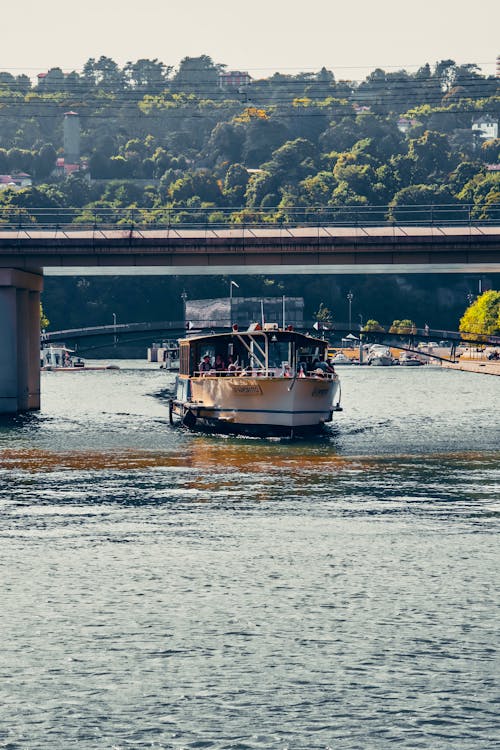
[219, 363]
[287, 373]
[231, 364]
[323, 367]
[205, 364]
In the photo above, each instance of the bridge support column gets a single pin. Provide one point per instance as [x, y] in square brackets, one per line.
[19, 340]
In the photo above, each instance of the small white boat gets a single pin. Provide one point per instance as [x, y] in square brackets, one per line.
[379, 356]
[263, 381]
[167, 355]
[60, 359]
[407, 359]
[341, 359]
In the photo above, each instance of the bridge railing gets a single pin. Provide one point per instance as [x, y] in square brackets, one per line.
[334, 331]
[459, 214]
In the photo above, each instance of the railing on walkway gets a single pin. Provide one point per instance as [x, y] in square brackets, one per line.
[142, 219]
[329, 331]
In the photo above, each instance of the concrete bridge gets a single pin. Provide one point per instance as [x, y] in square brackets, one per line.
[29, 252]
[250, 250]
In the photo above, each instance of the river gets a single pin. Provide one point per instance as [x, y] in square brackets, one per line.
[162, 589]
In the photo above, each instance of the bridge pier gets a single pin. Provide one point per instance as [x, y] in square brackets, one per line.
[19, 340]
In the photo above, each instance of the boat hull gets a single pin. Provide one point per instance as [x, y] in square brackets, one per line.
[410, 363]
[256, 404]
[380, 361]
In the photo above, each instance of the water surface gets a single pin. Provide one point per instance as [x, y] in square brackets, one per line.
[162, 589]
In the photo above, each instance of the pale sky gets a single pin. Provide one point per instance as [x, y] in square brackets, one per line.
[261, 36]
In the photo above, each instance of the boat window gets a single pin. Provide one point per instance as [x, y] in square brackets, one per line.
[184, 359]
[279, 352]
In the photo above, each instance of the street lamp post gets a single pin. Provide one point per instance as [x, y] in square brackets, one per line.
[360, 339]
[184, 298]
[231, 284]
[350, 297]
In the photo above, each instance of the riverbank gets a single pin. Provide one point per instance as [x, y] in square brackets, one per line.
[485, 367]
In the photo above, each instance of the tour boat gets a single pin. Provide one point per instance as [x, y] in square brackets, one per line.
[264, 380]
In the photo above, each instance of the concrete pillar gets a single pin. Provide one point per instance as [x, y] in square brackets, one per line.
[19, 340]
[8, 350]
[34, 351]
[22, 349]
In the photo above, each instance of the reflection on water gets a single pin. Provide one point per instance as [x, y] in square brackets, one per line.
[169, 590]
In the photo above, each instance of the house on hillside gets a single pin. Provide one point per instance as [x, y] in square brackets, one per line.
[405, 123]
[63, 169]
[15, 181]
[233, 80]
[487, 126]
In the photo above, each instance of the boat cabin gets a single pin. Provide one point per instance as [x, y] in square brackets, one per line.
[261, 350]
[58, 357]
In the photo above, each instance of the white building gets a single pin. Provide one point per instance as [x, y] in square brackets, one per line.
[487, 125]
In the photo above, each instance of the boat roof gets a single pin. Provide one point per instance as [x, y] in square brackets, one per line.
[56, 348]
[279, 332]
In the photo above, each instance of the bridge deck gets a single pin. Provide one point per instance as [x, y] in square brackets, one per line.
[250, 249]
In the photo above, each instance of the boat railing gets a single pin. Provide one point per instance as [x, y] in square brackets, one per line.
[272, 372]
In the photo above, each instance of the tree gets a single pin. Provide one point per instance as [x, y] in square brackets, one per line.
[403, 327]
[104, 74]
[147, 75]
[293, 161]
[373, 326]
[44, 321]
[198, 75]
[235, 184]
[45, 161]
[323, 315]
[483, 316]
[431, 155]
[54, 80]
[226, 142]
[427, 203]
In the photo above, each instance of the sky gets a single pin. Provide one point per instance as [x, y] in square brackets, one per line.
[260, 36]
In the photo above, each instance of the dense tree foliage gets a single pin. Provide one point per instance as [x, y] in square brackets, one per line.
[174, 145]
[483, 315]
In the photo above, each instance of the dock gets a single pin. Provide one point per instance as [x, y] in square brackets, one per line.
[481, 366]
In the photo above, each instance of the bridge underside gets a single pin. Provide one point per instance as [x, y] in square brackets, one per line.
[275, 270]
[305, 250]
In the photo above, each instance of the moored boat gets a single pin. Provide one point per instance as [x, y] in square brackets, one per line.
[60, 359]
[407, 359]
[264, 380]
[341, 359]
[167, 355]
[380, 356]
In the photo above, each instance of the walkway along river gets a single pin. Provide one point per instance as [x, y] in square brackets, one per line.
[168, 590]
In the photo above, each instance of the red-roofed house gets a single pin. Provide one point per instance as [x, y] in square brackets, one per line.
[234, 79]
